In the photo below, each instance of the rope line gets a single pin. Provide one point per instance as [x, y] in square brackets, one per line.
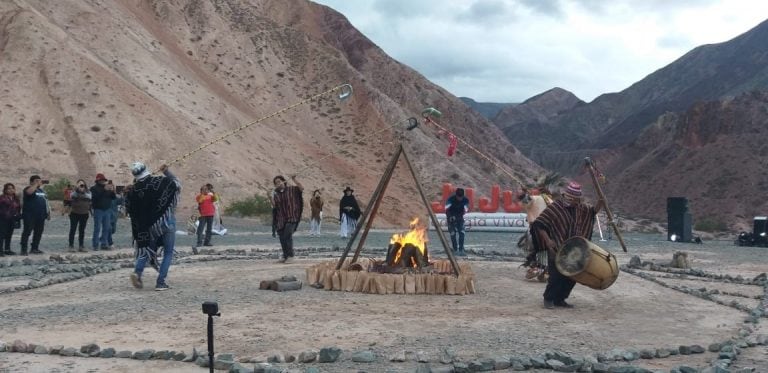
[481, 154]
[244, 126]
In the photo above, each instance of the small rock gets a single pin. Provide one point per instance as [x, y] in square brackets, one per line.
[329, 354]
[307, 356]
[69, 351]
[124, 354]
[89, 348]
[366, 356]
[19, 346]
[143, 354]
[107, 352]
[41, 350]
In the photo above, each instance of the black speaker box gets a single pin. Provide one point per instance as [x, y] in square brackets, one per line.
[680, 226]
[677, 205]
[760, 225]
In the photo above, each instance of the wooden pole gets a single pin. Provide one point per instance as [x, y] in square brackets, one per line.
[432, 216]
[375, 199]
[378, 198]
[599, 190]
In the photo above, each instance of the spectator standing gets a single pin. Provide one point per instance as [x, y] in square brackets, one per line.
[78, 214]
[205, 206]
[455, 208]
[102, 195]
[10, 216]
[35, 211]
[316, 213]
[349, 212]
[152, 207]
[289, 204]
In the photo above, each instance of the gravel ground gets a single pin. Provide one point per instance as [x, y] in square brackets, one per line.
[505, 317]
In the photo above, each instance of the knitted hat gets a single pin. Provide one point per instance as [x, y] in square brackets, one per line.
[100, 177]
[573, 190]
[139, 170]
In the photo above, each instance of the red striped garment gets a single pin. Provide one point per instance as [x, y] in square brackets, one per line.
[562, 222]
[289, 205]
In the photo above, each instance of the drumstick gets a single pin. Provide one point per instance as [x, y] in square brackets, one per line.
[599, 190]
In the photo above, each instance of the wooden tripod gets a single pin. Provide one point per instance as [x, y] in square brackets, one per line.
[373, 206]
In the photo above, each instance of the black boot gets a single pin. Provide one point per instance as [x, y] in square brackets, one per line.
[9, 252]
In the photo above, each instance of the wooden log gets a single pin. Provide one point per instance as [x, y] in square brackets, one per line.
[286, 285]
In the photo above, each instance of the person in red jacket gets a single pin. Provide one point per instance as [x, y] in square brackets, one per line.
[207, 209]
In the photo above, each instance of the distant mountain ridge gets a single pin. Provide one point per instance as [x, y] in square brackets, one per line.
[623, 129]
[488, 109]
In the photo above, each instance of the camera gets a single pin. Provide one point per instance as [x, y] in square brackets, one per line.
[211, 308]
[45, 182]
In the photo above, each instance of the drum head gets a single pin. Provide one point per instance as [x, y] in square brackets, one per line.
[574, 256]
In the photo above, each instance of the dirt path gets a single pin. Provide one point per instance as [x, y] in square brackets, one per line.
[505, 316]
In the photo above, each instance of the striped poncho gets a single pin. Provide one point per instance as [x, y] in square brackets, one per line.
[562, 222]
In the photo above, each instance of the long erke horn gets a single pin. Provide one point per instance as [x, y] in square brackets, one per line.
[591, 167]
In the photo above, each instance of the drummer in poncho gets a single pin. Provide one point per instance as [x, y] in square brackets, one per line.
[565, 218]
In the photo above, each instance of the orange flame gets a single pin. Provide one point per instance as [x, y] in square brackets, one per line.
[417, 236]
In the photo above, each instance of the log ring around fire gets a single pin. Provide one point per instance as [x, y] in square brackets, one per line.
[362, 277]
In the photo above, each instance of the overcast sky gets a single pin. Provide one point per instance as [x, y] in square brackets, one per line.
[510, 50]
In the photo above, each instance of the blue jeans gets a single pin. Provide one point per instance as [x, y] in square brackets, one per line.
[112, 226]
[101, 223]
[456, 227]
[169, 239]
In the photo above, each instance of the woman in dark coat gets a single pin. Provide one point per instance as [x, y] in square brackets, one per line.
[349, 212]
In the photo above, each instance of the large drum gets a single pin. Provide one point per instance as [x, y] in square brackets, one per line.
[587, 263]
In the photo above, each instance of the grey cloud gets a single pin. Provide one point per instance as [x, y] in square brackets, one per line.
[545, 7]
[403, 8]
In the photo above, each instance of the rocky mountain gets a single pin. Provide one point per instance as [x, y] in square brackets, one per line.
[529, 123]
[621, 128]
[488, 109]
[714, 153]
[90, 86]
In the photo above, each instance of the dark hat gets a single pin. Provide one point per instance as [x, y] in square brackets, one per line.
[100, 177]
[349, 190]
[460, 192]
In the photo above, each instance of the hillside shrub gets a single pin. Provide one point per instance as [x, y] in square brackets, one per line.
[256, 206]
[55, 190]
[710, 225]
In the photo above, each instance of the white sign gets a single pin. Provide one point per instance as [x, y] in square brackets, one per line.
[489, 222]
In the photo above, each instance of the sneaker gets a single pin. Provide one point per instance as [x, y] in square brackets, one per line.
[548, 304]
[71, 249]
[282, 260]
[37, 251]
[136, 281]
[162, 287]
[194, 250]
[105, 248]
[563, 304]
[82, 249]
[288, 260]
[208, 244]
